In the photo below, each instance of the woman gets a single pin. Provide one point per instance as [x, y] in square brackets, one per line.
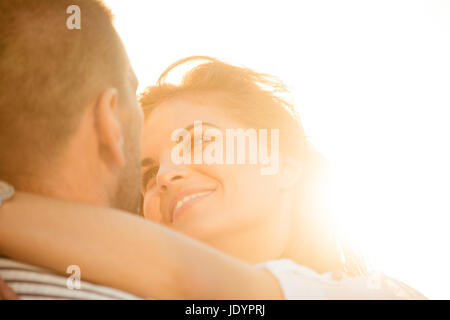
[251, 216]
[273, 220]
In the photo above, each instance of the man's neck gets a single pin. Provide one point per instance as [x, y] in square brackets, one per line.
[61, 187]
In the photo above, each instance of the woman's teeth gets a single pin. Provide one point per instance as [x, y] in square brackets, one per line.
[189, 197]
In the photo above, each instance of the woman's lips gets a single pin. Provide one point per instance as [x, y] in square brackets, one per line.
[186, 201]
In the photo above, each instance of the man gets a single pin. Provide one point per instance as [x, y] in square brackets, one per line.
[70, 124]
[70, 129]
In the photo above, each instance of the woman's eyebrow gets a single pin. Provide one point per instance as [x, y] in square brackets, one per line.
[191, 126]
[147, 162]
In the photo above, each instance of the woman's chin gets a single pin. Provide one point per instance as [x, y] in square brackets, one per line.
[199, 222]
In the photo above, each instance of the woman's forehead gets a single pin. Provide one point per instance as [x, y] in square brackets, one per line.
[177, 114]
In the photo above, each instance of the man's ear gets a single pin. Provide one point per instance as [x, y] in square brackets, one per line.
[290, 173]
[108, 128]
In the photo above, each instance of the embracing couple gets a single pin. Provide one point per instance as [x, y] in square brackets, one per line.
[97, 186]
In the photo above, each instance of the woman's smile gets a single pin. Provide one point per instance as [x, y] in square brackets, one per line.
[185, 200]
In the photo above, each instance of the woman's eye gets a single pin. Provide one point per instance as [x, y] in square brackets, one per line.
[208, 139]
[203, 141]
[195, 141]
[148, 176]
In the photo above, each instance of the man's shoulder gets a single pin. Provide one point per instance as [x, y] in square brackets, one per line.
[33, 283]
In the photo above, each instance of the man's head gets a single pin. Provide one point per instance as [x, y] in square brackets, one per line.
[69, 121]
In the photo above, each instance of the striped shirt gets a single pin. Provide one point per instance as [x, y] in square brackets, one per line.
[33, 283]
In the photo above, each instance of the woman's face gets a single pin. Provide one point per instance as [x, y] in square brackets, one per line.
[232, 207]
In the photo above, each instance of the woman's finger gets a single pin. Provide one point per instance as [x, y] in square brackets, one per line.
[6, 293]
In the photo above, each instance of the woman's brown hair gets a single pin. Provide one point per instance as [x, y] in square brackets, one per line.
[258, 100]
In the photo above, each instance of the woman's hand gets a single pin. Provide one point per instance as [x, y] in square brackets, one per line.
[6, 293]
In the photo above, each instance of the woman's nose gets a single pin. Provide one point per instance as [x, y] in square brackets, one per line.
[170, 176]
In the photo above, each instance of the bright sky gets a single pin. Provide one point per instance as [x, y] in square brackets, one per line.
[371, 81]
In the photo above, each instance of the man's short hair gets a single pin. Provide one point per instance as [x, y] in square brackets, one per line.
[49, 73]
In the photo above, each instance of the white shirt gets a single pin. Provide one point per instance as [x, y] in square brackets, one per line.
[298, 282]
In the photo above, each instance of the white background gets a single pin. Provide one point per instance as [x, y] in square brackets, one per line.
[371, 81]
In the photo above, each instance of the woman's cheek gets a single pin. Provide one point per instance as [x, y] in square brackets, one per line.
[152, 208]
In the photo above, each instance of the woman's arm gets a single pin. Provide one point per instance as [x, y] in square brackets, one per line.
[120, 250]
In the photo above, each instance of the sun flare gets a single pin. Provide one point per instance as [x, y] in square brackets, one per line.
[370, 81]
